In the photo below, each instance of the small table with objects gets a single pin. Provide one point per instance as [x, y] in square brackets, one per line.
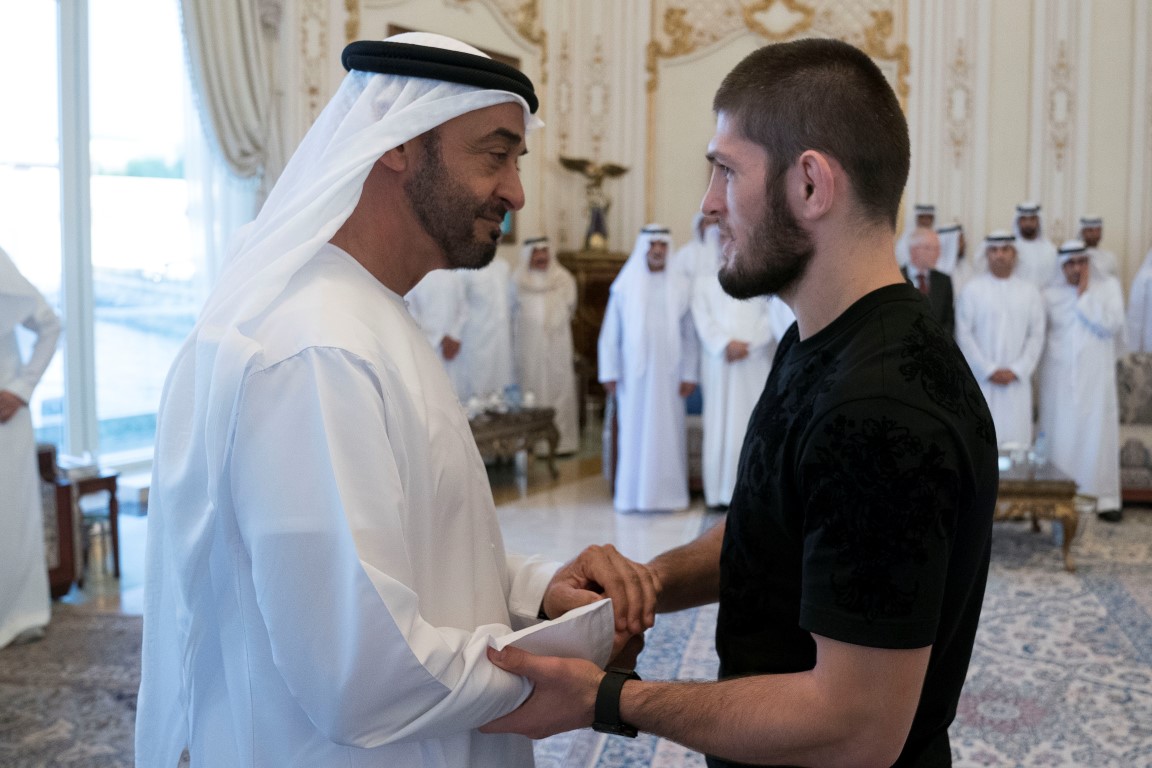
[1039, 490]
[503, 435]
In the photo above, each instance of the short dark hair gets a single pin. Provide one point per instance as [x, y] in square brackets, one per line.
[828, 96]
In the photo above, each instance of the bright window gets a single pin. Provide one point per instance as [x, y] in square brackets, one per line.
[131, 285]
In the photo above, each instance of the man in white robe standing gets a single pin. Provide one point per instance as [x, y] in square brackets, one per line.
[439, 306]
[1035, 253]
[1091, 231]
[1000, 330]
[738, 339]
[649, 358]
[25, 604]
[325, 568]
[542, 337]
[1139, 336]
[1078, 405]
[486, 347]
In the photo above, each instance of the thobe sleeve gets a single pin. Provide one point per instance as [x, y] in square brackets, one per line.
[689, 350]
[1101, 308]
[529, 577]
[713, 336]
[609, 355]
[320, 510]
[46, 325]
[966, 319]
[1025, 364]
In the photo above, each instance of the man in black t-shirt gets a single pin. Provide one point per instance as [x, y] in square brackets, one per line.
[850, 571]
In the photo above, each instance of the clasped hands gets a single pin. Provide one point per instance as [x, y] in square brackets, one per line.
[564, 690]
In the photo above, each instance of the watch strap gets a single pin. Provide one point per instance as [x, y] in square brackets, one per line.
[607, 711]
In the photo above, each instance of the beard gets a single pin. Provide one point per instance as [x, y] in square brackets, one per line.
[448, 211]
[776, 254]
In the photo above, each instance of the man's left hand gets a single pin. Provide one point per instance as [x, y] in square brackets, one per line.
[563, 694]
[687, 388]
[10, 402]
[601, 571]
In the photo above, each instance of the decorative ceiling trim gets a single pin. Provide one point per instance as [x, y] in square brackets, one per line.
[806, 12]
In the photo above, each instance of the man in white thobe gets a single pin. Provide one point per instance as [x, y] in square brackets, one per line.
[923, 217]
[1000, 330]
[1078, 407]
[738, 339]
[486, 347]
[439, 306]
[697, 256]
[1035, 253]
[542, 337]
[25, 604]
[648, 358]
[1091, 231]
[1139, 326]
[325, 569]
[951, 243]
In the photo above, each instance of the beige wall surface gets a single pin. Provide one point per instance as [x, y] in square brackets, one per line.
[1006, 99]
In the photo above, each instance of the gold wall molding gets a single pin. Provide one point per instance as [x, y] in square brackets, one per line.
[314, 54]
[958, 106]
[522, 17]
[683, 27]
[1061, 104]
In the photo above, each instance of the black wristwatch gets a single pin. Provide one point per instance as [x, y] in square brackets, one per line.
[608, 703]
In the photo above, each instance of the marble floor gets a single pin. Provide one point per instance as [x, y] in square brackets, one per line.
[538, 515]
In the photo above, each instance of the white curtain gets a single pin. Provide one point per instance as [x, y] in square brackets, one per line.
[230, 51]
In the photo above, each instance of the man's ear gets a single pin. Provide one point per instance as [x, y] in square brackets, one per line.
[398, 158]
[817, 184]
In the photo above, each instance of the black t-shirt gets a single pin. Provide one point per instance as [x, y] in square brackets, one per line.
[863, 506]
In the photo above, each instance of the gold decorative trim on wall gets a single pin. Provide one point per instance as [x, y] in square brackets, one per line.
[1061, 105]
[868, 24]
[352, 22]
[959, 103]
[313, 54]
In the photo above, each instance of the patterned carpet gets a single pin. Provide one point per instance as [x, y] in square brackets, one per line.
[1061, 674]
[70, 699]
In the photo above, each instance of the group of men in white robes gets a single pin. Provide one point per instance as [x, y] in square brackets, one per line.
[25, 604]
[1065, 330]
[496, 329]
[669, 325]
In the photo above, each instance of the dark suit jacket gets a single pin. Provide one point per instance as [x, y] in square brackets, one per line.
[939, 296]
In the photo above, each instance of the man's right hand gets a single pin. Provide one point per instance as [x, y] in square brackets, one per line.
[10, 403]
[450, 347]
[601, 571]
[609, 387]
[1002, 376]
[736, 350]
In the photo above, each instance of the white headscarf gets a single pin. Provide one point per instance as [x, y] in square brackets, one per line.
[632, 286]
[321, 185]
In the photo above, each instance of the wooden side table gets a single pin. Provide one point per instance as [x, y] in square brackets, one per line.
[505, 434]
[105, 481]
[1040, 491]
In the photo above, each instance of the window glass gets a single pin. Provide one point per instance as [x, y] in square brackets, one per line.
[146, 281]
[30, 178]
